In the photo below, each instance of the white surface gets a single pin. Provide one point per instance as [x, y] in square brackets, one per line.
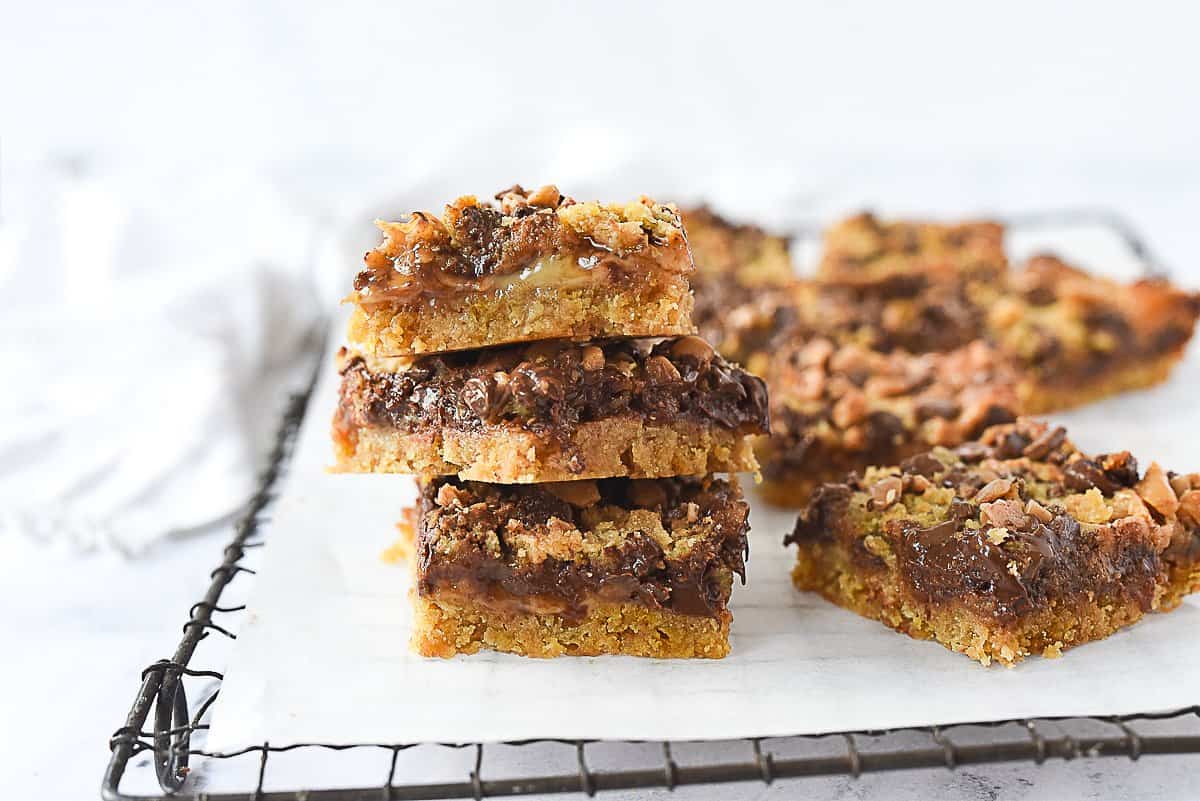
[328, 613]
[99, 458]
[147, 383]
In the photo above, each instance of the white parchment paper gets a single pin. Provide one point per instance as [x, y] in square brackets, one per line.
[323, 654]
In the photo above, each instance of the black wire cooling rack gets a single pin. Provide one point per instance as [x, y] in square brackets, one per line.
[162, 701]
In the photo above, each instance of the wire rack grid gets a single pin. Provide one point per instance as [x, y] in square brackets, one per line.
[162, 697]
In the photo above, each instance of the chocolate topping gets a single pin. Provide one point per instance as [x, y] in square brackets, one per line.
[551, 387]
[836, 409]
[992, 544]
[478, 538]
[1031, 566]
[1066, 325]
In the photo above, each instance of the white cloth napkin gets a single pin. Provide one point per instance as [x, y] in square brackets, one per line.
[138, 380]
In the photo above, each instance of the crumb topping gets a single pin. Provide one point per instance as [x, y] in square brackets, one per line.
[846, 398]
[906, 254]
[473, 244]
[1013, 520]
[552, 386]
[1063, 323]
[747, 253]
[665, 542]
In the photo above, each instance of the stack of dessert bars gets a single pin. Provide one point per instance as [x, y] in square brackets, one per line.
[532, 362]
[898, 378]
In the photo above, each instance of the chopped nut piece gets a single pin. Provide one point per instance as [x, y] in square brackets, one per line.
[447, 494]
[994, 489]
[1189, 508]
[1156, 491]
[593, 358]
[886, 492]
[660, 369]
[888, 386]
[815, 353]
[851, 409]
[1035, 509]
[810, 384]
[855, 438]
[547, 195]
[997, 535]
[1180, 485]
[1004, 513]
[917, 482]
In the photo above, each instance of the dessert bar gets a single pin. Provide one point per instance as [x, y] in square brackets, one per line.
[743, 285]
[1078, 337]
[838, 408]
[743, 322]
[551, 411]
[940, 316]
[746, 254]
[616, 566]
[534, 265]
[1009, 545]
[901, 256]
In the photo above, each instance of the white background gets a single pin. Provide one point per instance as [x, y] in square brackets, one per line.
[211, 127]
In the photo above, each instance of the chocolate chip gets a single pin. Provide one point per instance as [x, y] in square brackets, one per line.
[961, 510]
[996, 415]
[1046, 442]
[884, 427]
[1040, 296]
[972, 451]
[923, 464]
[1121, 467]
[692, 348]
[938, 407]
[1082, 475]
[476, 395]
[1011, 445]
